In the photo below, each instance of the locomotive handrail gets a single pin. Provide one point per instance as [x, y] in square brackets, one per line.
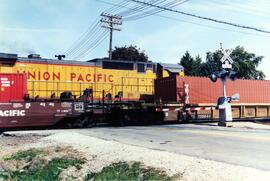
[37, 87]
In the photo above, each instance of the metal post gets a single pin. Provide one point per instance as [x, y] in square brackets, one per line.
[224, 88]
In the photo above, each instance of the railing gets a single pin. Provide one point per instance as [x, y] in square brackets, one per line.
[45, 89]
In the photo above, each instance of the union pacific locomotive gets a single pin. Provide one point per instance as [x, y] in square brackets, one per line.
[44, 92]
[50, 77]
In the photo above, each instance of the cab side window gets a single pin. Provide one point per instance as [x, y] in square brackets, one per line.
[118, 65]
[141, 68]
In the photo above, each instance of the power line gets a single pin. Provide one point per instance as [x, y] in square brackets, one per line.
[136, 13]
[98, 39]
[86, 40]
[88, 37]
[156, 10]
[140, 7]
[249, 8]
[202, 17]
[98, 43]
[81, 37]
[82, 40]
[189, 22]
[88, 43]
[152, 7]
[114, 9]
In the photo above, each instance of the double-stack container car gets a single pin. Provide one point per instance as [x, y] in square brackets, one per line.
[200, 96]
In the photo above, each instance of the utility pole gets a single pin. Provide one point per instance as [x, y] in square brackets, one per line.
[111, 22]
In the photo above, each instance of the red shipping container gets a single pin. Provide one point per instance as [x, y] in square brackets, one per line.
[200, 90]
[12, 87]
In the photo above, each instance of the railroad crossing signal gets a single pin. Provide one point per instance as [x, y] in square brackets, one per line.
[226, 60]
[224, 106]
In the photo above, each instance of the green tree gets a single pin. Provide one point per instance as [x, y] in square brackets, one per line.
[245, 63]
[212, 63]
[131, 53]
[191, 66]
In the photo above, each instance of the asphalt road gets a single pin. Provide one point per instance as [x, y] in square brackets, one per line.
[238, 146]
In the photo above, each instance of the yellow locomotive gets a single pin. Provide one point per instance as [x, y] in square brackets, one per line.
[47, 77]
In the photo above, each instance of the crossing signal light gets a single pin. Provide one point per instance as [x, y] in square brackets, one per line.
[233, 75]
[213, 77]
[223, 74]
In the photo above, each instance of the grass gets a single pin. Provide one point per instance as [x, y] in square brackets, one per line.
[3, 175]
[37, 169]
[27, 155]
[124, 171]
[152, 174]
[49, 171]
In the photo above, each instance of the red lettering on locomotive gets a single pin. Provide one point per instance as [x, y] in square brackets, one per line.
[110, 78]
[88, 77]
[33, 76]
[56, 76]
[99, 77]
[72, 76]
[80, 78]
[46, 76]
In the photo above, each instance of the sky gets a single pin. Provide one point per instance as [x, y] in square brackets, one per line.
[50, 27]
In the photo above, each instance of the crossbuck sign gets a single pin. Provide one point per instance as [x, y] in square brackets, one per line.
[226, 60]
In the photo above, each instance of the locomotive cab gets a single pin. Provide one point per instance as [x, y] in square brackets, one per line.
[169, 70]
